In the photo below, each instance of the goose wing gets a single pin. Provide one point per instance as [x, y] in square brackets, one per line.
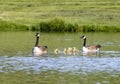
[92, 47]
[42, 48]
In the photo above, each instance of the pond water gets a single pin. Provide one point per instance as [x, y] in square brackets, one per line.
[15, 53]
[72, 64]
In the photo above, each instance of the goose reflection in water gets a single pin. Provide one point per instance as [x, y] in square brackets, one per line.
[91, 53]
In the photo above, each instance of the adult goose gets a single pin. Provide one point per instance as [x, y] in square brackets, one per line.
[38, 50]
[92, 48]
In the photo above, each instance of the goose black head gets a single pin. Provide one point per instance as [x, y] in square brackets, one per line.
[98, 46]
[46, 47]
[37, 34]
[83, 37]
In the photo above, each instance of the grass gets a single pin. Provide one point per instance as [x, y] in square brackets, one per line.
[55, 25]
[58, 25]
[10, 26]
[54, 77]
[82, 12]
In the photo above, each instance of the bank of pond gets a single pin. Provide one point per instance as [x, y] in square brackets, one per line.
[58, 25]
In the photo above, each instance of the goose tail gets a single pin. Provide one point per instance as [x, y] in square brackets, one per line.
[98, 46]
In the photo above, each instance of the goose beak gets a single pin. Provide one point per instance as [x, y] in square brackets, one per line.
[46, 47]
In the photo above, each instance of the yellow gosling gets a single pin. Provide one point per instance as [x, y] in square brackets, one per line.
[56, 51]
[75, 50]
[65, 51]
[69, 51]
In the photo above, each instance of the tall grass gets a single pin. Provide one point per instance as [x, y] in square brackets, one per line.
[55, 25]
[9, 26]
[100, 28]
[59, 25]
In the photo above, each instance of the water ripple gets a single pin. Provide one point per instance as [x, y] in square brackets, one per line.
[73, 64]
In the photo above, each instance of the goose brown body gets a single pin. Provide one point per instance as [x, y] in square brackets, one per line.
[92, 48]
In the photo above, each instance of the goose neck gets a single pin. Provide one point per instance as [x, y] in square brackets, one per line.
[84, 43]
[37, 40]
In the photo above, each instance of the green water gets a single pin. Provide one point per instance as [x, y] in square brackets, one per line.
[18, 66]
[15, 43]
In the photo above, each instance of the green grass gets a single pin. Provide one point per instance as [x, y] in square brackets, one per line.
[10, 26]
[59, 25]
[82, 12]
[54, 77]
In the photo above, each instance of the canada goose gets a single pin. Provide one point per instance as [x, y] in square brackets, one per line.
[93, 48]
[38, 50]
